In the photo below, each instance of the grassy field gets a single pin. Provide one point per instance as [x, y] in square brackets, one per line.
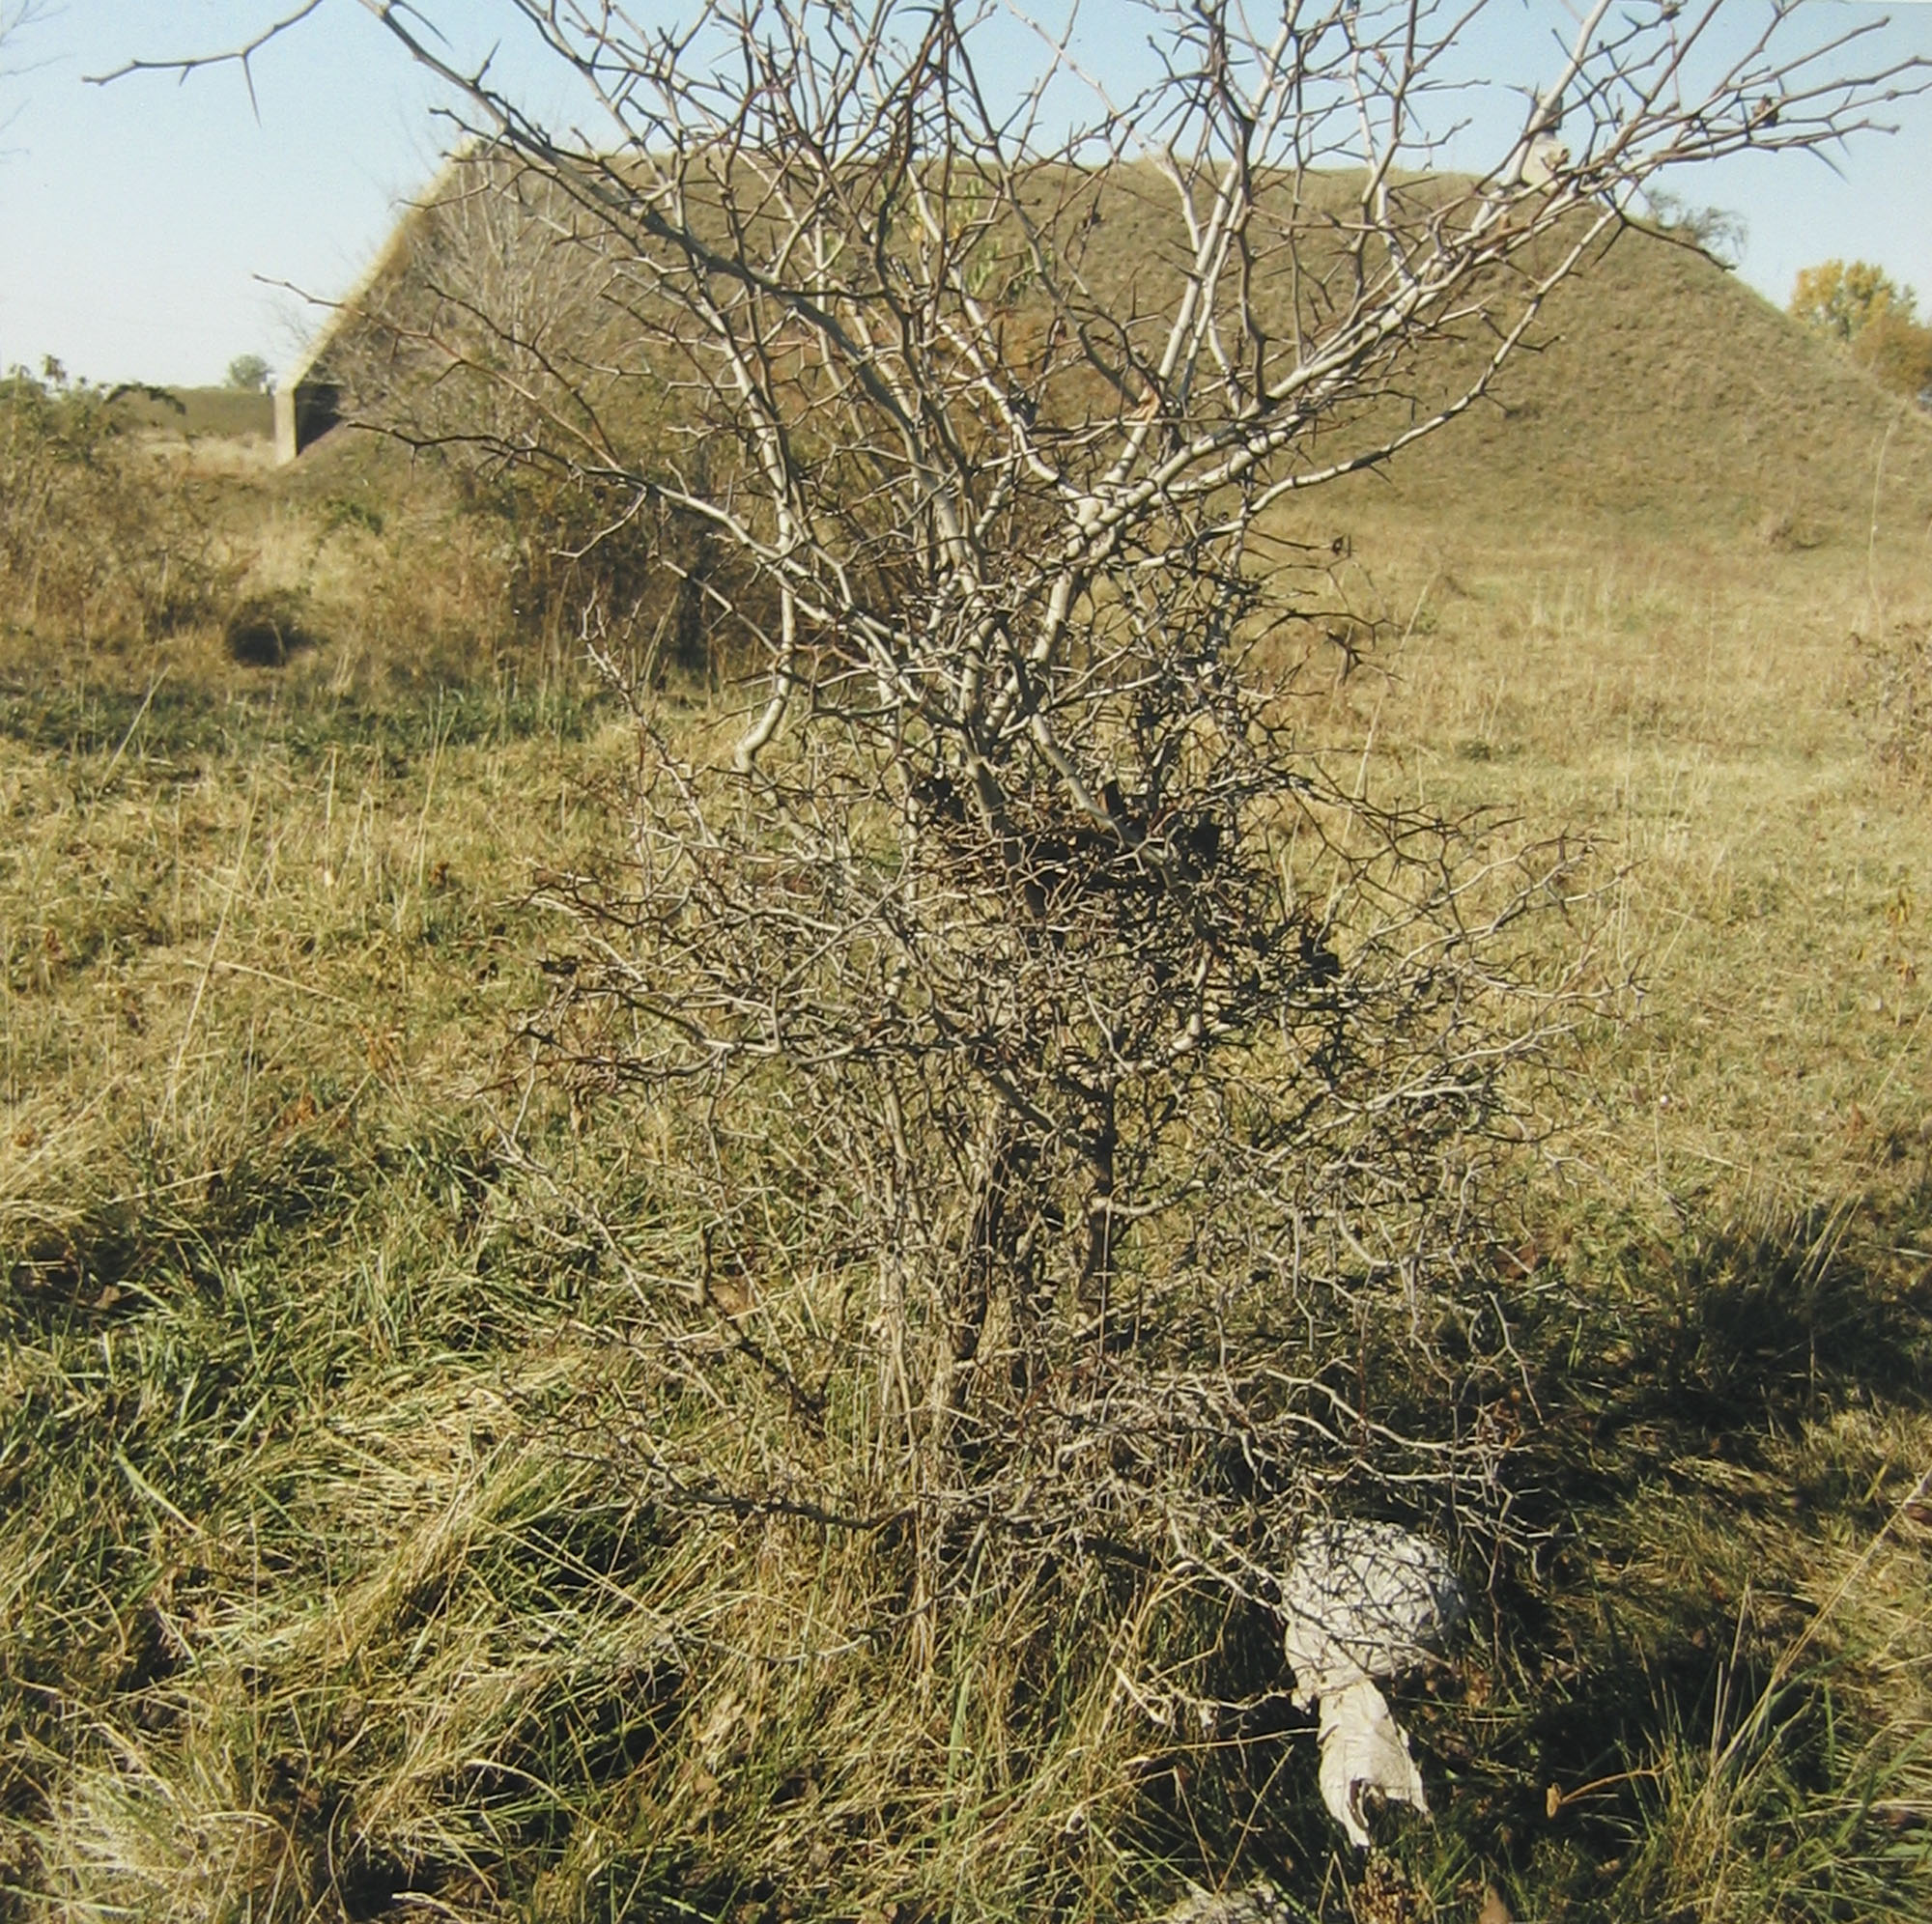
[229, 414]
[1746, 1170]
[326, 1589]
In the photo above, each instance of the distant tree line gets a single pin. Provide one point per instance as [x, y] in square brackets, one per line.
[1863, 308]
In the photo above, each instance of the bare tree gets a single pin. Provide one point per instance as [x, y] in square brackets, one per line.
[19, 14]
[1069, 1096]
[15, 18]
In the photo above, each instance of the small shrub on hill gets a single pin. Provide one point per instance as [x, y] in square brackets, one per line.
[1897, 350]
[651, 592]
[1715, 231]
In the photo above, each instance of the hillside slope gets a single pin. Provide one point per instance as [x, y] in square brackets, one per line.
[1667, 393]
[1655, 389]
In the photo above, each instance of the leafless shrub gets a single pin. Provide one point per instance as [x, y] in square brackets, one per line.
[496, 329]
[1073, 1095]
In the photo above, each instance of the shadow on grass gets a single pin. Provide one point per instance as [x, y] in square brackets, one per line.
[104, 1262]
[162, 719]
[266, 631]
[1681, 1513]
[1626, 1733]
[1713, 1454]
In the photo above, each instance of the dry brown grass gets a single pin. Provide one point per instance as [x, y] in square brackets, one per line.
[1708, 718]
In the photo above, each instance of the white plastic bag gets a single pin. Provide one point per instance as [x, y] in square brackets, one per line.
[1363, 1601]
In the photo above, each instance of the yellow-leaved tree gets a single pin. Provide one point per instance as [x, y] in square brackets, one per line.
[1862, 307]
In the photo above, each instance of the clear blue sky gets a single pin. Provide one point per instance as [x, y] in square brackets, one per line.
[139, 222]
